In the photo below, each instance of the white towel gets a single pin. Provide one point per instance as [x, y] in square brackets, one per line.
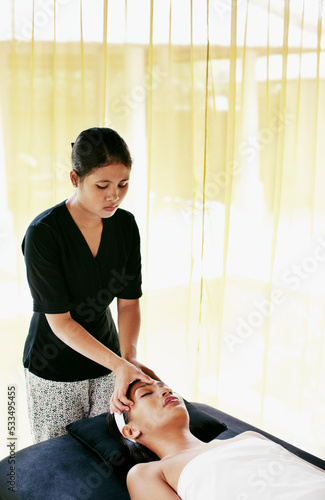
[250, 469]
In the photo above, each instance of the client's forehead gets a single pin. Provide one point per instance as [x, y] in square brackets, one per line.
[138, 384]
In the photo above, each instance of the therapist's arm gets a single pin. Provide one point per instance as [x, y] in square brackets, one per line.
[128, 322]
[75, 336]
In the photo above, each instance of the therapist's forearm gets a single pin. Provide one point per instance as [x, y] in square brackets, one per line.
[76, 337]
[129, 318]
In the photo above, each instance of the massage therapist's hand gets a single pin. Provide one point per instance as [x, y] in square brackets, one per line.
[144, 368]
[125, 373]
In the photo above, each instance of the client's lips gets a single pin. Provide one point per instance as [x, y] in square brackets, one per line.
[171, 399]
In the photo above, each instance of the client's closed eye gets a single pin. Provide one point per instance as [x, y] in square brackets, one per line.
[145, 394]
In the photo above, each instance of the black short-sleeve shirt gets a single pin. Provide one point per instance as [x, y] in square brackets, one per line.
[63, 276]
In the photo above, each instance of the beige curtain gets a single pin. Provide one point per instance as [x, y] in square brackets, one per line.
[222, 104]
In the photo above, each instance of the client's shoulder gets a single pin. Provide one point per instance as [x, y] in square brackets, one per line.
[143, 471]
[147, 480]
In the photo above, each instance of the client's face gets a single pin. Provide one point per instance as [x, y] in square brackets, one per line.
[155, 405]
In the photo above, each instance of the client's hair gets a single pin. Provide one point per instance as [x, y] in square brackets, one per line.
[138, 452]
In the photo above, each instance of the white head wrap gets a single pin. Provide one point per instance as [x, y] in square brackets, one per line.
[120, 422]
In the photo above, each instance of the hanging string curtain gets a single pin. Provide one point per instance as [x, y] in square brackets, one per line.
[221, 104]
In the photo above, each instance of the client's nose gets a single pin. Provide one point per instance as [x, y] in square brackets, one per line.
[166, 391]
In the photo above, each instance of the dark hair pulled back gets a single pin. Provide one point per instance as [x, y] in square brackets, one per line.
[97, 147]
[138, 452]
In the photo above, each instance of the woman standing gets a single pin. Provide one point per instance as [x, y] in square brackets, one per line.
[79, 255]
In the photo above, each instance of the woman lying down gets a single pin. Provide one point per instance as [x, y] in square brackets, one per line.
[246, 467]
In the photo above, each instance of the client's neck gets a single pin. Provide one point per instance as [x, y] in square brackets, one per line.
[171, 442]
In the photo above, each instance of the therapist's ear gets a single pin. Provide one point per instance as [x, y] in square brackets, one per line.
[130, 432]
[74, 178]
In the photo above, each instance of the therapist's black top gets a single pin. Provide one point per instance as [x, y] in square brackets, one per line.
[63, 276]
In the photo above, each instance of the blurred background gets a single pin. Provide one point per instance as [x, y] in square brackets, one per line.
[222, 105]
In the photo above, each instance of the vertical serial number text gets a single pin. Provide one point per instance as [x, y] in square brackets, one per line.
[11, 444]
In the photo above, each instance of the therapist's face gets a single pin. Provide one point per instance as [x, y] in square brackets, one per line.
[101, 192]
